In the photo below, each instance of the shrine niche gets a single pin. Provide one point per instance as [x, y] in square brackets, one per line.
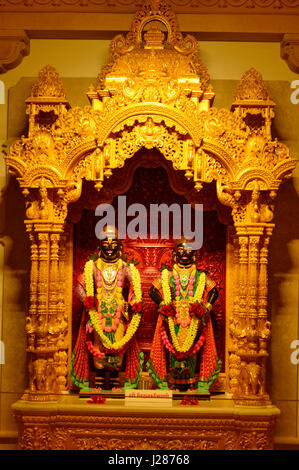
[151, 254]
[151, 115]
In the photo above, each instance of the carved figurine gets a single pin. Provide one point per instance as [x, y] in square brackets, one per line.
[183, 354]
[110, 290]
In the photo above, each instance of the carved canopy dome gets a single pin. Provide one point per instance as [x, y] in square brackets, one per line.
[48, 84]
[153, 92]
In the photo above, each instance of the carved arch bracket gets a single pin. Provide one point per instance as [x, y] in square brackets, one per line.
[14, 46]
[289, 51]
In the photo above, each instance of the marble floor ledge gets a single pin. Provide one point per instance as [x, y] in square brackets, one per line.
[72, 404]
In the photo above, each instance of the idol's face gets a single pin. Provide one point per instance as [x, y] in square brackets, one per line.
[185, 254]
[110, 249]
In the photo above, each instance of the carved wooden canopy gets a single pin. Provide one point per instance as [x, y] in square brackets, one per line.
[153, 92]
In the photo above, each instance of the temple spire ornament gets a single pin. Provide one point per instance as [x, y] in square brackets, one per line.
[252, 102]
[47, 100]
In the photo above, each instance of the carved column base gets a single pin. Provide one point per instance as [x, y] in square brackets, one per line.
[253, 400]
[251, 381]
[29, 395]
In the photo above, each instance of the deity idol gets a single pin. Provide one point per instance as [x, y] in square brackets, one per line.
[110, 290]
[183, 354]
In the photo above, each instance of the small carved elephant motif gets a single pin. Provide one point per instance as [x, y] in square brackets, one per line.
[37, 373]
[251, 381]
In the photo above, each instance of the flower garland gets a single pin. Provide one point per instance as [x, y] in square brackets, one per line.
[131, 330]
[88, 276]
[192, 331]
[96, 352]
[195, 309]
[200, 287]
[96, 319]
[196, 347]
[166, 287]
[136, 283]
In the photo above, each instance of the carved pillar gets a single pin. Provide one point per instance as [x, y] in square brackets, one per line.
[263, 322]
[243, 283]
[61, 355]
[31, 318]
[251, 329]
[54, 277]
[43, 259]
[45, 325]
[264, 325]
[254, 233]
[233, 358]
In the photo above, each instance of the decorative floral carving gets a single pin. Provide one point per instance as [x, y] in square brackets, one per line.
[74, 432]
[251, 87]
[48, 84]
[188, 6]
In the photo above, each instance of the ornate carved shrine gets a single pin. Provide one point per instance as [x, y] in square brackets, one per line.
[153, 96]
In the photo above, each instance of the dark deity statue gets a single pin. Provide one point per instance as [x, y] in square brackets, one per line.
[110, 291]
[183, 354]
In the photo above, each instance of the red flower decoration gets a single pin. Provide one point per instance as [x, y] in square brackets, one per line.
[137, 307]
[96, 400]
[197, 309]
[90, 302]
[187, 400]
[181, 355]
[167, 310]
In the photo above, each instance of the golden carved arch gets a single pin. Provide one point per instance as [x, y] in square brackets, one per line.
[153, 93]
